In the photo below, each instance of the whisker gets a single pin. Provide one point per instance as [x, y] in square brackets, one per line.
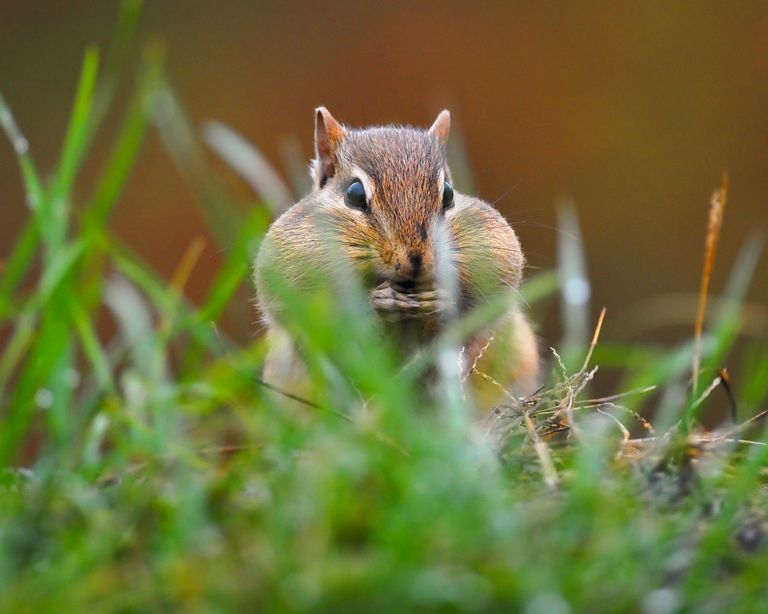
[530, 223]
[508, 191]
[519, 294]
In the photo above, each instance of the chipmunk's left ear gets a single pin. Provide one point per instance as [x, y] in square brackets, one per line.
[328, 136]
[442, 126]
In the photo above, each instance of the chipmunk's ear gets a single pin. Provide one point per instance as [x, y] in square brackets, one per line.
[328, 136]
[442, 126]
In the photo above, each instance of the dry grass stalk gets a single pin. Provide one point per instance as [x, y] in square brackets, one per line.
[548, 413]
[181, 275]
[595, 337]
[747, 423]
[501, 423]
[705, 395]
[187, 264]
[576, 383]
[624, 430]
[714, 225]
[695, 439]
[548, 471]
[477, 359]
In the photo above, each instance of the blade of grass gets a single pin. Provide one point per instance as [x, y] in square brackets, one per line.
[39, 303]
[24, 332]
[16, 348]
[236, 267]
[118, 167]
[727, 323]
[35, 191]
[719, 534]
[250, 164]
[55, 276]
[180, 277]
[574, 285]
[60, 417]
[670, 366]
[16, 267]
[229, 280]
[40, 366]
[754, 390]
[117, 57]
[115, 174]
[179, 138]
[134, 317]
[89, 340]
[162, 299]
[79, 133]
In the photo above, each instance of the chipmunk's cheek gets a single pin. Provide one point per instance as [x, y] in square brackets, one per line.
[383, 265]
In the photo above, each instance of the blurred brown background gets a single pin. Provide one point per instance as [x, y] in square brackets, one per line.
[632, 110]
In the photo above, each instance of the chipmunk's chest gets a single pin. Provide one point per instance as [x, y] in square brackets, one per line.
[413, 334]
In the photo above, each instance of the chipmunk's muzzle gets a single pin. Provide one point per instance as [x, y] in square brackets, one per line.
[408, 290]
[408, 270]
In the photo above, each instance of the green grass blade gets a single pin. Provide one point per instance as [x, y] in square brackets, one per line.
[89, 340]
[58, 272]
[40, 364]
[15, 350]
[165, 300]
[119, 165]
[236, 267]
[52, 281]
[741, 277]
[33, 185]
[754, 388]
[60, 418]
[79, 131]
[536, 288]
[16, 267]
[117, 57]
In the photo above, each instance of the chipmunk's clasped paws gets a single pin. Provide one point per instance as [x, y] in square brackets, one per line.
[393, 302]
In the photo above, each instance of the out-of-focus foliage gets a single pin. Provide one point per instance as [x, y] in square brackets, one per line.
[145, 467]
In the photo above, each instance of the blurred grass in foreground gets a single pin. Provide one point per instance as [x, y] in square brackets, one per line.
[150, 470]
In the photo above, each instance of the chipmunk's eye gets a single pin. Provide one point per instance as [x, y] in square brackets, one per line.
[447, 196]
[355, 196]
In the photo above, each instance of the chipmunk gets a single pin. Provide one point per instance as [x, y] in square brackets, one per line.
[382, 199]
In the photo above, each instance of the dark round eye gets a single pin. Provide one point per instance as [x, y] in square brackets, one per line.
[447, 196]
[355, 196]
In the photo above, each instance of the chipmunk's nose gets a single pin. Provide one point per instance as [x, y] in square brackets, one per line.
[410, 267]
[415, 260]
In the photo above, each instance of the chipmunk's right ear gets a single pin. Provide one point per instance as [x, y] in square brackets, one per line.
[328, 136]
[442, 126]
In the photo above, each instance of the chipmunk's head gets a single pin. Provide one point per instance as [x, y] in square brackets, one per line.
[387, 190]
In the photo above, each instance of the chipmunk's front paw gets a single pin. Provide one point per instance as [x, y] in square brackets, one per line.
[394, 303]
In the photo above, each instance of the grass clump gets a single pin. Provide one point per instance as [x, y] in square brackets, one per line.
[148, 469]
